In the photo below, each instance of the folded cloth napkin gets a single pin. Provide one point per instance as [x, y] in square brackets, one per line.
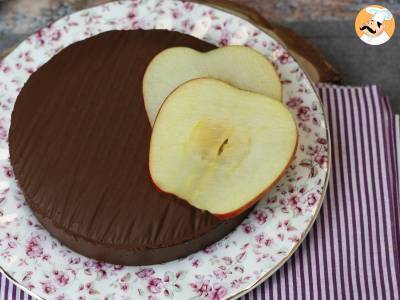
[352, 251]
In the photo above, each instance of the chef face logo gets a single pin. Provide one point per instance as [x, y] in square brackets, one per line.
[374, 25]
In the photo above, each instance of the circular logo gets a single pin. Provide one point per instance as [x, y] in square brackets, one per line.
[374, 25]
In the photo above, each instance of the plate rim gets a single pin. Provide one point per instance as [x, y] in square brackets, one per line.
[243, 17]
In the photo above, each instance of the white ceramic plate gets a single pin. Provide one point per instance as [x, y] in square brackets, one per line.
[234, 265]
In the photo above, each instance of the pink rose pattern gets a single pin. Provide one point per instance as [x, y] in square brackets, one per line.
[204, 289]
[265, 238]
[167, 286]
[33, 248]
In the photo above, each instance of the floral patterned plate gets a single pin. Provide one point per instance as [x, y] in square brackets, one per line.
[229, 268]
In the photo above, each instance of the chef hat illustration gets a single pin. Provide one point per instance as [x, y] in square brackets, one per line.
[379, 14]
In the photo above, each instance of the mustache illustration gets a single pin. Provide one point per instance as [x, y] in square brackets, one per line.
[368, 28]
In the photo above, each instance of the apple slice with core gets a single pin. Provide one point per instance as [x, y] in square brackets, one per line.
[239, 66]
[220, 148]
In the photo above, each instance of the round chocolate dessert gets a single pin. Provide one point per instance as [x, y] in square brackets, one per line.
[79, 142]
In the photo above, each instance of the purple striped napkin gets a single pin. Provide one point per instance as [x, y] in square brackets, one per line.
[352, 252]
